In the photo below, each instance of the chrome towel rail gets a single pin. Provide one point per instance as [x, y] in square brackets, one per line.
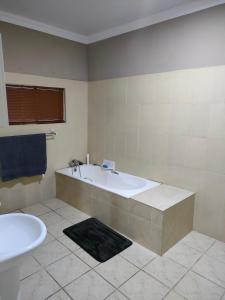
[51, 134]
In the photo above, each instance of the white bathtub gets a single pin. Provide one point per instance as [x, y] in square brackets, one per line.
[123, 184]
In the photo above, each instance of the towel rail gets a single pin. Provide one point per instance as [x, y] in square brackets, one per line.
[51, 134]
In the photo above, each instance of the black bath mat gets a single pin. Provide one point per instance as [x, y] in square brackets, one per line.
[99, 240]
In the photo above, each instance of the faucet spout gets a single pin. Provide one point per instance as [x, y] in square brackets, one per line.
[74, 164]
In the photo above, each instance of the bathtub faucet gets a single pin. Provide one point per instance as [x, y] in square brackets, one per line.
[74, 164]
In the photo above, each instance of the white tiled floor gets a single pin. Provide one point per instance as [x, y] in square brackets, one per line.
[193, 269]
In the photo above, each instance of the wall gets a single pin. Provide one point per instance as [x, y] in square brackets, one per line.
[162, 113]
[169, 127]
[192, 41]
[70, 142]
[166, 125]
[28, 51]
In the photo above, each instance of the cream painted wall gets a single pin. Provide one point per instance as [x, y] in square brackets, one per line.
[70, 142]
[168, 127]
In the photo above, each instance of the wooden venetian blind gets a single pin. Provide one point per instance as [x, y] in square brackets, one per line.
[34, 104]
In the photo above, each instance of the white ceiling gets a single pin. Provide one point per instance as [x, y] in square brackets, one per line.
[92, 20]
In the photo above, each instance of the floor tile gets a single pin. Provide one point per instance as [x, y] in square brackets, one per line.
[138, 255]
[38, 286]
[51, 252]
[198, 241]
[49, 238]
[183, 254]
[195, 287]
[117, 296]
[61, 295]
[174, 296]
[70, 212]
[57, 229]
[116, 270]
[143, 287]
[65, 270]
[36, 209]
[165, 270]
[206, 257]
[217, 251]
[79, 218]
[88, 259]
[68, 243]
[29, 266]
[211, 269]
[51, 218]
[55, 203]
[90, 286]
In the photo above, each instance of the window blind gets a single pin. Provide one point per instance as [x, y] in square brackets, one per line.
[34, 104]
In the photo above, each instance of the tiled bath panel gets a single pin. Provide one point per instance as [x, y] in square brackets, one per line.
[156, 219]
[193, 269]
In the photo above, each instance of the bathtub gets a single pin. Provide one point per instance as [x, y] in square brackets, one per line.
[123, 184]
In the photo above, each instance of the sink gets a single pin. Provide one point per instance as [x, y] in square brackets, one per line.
[20, 234]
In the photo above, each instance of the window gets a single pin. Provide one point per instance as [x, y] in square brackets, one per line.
[34, 104]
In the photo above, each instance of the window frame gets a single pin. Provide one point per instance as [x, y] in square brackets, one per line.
[38, 121]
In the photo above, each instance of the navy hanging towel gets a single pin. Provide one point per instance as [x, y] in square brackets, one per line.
[22, 155]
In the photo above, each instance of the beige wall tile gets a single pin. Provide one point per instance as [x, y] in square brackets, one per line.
[176, 150]
[199, 120]
[195, 153]
[141, 89]
[180, 118]
[174, 131]
[216, 155]
[217, 120]
[64, 147]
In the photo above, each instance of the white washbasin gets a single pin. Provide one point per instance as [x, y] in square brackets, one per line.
[19, 235]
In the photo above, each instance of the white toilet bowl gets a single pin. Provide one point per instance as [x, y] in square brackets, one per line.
[19, 235]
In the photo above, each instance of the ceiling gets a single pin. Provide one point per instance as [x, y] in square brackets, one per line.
[88, 21]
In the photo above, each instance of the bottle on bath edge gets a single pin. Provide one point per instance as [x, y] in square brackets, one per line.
[87, 159]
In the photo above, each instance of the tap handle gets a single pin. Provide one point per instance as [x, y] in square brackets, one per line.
[74, 163]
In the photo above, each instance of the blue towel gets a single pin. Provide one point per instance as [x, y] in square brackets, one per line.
[22, 155]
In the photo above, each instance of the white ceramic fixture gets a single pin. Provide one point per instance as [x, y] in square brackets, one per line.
[19, 235]
[123, 184]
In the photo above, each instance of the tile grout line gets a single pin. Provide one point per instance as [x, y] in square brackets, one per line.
[116, 288]
[187, 271]
[205, 253]
[62, 287]
[91, 268]
[222, 296]
[57, 293]
[223, 287]
[44, 267]
[136, 265]
[190, 269]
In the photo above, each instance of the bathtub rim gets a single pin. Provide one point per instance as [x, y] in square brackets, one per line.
[125, 194]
